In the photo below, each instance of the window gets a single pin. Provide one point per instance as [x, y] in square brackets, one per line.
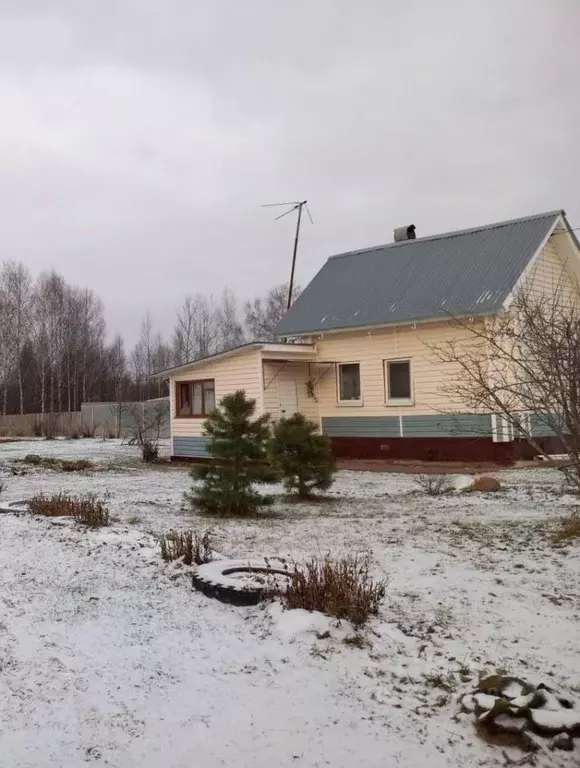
[195, 399]
[349, 383]
[398, 375]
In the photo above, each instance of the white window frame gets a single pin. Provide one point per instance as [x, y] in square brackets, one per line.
[349, 403]
[395, 401]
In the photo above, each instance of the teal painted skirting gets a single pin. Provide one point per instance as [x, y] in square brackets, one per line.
[361, 426]
[538, 426]
[438, 425]
[448, 425]
[189, 447]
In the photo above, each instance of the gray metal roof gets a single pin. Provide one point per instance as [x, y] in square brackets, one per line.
[471, 271]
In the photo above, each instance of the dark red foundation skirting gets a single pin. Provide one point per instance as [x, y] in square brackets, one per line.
[464, 449]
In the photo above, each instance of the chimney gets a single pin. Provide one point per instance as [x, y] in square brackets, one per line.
[405, 233]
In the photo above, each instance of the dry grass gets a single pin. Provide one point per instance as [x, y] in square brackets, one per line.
[446, 682]
[78, 465]
[87, 509]
[355, 641]
[60, 465]
[341, 588]
[568, 529]
[191, 546]
[57, 505]
[91, 511]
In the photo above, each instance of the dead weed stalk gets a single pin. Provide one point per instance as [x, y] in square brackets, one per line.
[191, 546]
[341, 588]
[86, 509]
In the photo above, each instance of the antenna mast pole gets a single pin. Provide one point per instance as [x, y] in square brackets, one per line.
[296, 206]
[291, 286]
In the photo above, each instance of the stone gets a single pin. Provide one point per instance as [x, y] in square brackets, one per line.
[485, 484]
[562, 741]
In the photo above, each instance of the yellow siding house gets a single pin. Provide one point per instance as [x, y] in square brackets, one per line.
[358, 357]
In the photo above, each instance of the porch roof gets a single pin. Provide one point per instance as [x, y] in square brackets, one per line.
[270, 351]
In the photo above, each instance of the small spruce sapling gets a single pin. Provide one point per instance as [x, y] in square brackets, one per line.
[238, 451]
[301, 456]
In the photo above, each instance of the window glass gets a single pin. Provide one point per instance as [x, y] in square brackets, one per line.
[349, 381]
[208, 397]
[184, 398]
[197, 399]
[399, 380]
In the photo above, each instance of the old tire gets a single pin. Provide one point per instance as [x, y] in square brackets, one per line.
[216, 579]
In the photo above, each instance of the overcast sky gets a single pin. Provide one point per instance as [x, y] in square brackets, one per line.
[138, 138]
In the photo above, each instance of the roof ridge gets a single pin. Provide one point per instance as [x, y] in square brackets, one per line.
[452, 233]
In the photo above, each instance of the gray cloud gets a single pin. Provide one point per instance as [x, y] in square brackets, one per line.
[138, 139]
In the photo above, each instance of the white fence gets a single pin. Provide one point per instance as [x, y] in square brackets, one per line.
[108, 419]
[124, 419]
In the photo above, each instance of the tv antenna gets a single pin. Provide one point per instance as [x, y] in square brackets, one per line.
[295, 206]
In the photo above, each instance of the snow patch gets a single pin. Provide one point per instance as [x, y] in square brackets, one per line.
[297, 622]
[463, 483]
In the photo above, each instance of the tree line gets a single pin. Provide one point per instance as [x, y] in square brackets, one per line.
[55, 355]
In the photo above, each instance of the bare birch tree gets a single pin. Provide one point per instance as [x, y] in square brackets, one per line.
[6, 339]
[17, 284]
[263, 314]
[230, 329]
[196, 332]
[183, 341]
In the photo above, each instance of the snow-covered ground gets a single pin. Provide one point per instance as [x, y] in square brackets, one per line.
[107, 656]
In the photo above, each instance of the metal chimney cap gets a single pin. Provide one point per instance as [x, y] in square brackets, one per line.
[405, 233]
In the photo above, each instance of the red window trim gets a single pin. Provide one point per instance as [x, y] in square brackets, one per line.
[190, 382]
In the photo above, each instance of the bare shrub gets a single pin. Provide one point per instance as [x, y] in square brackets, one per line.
[37, 429]
[87, 431]
[341, 588]
[150, 450]
[192, 546]
[145, 427]
[523, 367]
[49, 425]
[87, 509]
[434, 485]
[568, 529]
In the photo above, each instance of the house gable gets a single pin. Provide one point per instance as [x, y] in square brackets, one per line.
[554, 270]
